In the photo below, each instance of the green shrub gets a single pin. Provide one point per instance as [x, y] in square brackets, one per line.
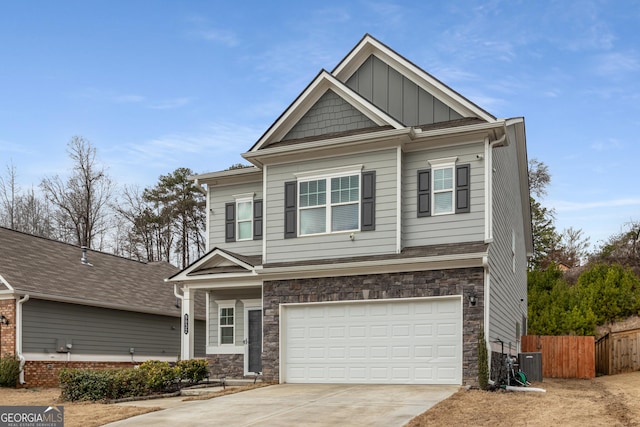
[159, 375]
[9, 371]
[85, 384]
[129, 383]
[193, 370]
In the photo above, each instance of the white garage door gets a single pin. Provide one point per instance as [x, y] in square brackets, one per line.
[416, 341]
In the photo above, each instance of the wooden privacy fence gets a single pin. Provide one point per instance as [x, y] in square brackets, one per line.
[563, 356]
[618, 352]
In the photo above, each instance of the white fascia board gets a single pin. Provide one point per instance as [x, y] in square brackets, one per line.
[184, 274]
[439, 262]
[6, 283]
[523, 171]
[369, 46]
[310, 96]
[234, 176]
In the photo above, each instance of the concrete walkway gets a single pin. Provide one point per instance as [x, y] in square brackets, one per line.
[301, 404]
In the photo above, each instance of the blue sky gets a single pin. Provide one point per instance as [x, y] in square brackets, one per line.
[165, 84]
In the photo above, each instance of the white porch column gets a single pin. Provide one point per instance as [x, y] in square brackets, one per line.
[187, 342]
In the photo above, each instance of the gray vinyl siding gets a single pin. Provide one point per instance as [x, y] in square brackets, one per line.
[329, 114]
[238, 296]
[336, 245]
[439, 229]
[397, 95]
[102, 331]
[218, 197]
[506, 287]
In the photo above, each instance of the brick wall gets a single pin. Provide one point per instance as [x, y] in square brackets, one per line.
[8, 332]
[380, 286]
[45, 373]
[227, 365]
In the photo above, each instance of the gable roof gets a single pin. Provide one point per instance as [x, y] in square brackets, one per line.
[338, 81]
[52, 270]
[219, 263]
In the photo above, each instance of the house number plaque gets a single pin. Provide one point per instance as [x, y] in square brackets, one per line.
[186, 323]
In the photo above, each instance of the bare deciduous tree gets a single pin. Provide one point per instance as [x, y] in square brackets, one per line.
[80, 201]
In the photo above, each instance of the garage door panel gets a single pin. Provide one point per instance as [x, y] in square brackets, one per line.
[400, 341]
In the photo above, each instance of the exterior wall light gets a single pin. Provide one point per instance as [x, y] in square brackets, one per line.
[3, 320]
[473, 299]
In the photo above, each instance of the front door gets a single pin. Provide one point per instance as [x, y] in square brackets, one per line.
[255, 341]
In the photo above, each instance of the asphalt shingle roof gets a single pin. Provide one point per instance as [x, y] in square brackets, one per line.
[48, 269]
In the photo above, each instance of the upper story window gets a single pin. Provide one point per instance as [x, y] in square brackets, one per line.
[243, 219]
[339, 210]
[244, 209]
[444, 189]
[330, 201]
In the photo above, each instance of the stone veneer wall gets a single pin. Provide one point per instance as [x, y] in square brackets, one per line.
[226, 365]
[381, 286]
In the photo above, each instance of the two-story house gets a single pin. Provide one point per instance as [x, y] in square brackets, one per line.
[384, 222]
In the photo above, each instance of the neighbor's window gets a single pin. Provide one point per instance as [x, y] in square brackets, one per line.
[226, 325]
[244, 209]
[338, 212]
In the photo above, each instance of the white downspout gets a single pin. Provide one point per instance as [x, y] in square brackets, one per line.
[22, 359]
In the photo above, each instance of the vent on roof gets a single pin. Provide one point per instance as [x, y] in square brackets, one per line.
[84, 260]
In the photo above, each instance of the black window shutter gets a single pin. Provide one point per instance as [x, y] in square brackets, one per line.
[368, 201]
[424, 192]
[463, 195]
[257, 219]
[230, 222]
[290, 205]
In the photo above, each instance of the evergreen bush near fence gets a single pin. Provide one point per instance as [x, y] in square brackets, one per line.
[152, 376]
[9, 371]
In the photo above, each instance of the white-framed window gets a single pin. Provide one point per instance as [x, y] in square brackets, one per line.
[244, 219]
[329, 204]
[443, 185]
[226, 322]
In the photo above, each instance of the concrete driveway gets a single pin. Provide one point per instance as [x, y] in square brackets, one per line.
[303, 404]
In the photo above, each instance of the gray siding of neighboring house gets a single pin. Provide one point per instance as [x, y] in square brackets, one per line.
[507, 287]
[102, 331]
[218, 197]
[238, 296]
[329, 114]
[380, 241]
[439, 229]
[398, 96]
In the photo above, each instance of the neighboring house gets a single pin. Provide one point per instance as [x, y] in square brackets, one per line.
[384, 222]
[69, 307]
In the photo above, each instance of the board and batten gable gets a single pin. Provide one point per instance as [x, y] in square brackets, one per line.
[96, 331]
[397, 95]
[508, 281]
[219, 196]
[450, 228]
[382, 240]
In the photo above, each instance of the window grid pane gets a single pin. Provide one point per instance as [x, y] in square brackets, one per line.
[313, 193]
[345, 189]
[443, 179]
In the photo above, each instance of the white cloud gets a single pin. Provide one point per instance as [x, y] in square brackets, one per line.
[170, 104]
[617, 63]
